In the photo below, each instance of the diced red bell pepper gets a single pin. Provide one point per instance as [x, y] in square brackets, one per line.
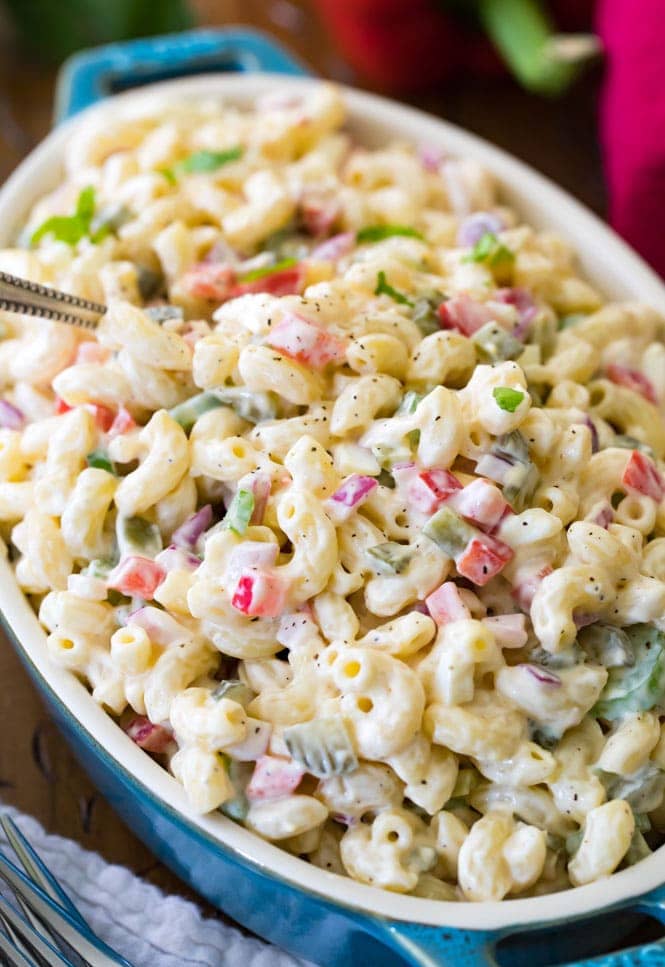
[482, 503]
[122, 423]
[483, 559]
[290, 281]
[147, 735]
[60, 406]
[464, 314]
[318, 214]
[641, 474]
[273, 778]
[427, 491]
[137, 575]
[446, 604]
[260, 594]
[634, 380]
[306, 342]
[104, 416]
[209, 280]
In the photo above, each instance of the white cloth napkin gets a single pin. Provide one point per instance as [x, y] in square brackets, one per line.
[137, 919]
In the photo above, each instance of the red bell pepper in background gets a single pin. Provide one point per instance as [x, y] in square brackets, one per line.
[632, 121]
[411, 45]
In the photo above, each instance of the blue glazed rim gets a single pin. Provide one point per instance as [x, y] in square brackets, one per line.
[422, 944]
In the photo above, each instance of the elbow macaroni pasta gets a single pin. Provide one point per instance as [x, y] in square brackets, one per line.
[352, 511]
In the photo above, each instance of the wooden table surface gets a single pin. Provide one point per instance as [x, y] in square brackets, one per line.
[37, 772]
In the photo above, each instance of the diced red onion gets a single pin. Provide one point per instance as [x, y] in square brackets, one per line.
[431, 157]
[249, 555]
[147, 735]
[260, 485]
[334, 248]
[11, 418]
[493, 467]
[583, 618]
[542, 675]
[602, 514]
[189, 532]
[509, 630]
[174, 558]
[353, 491]
[527, 310]
[160, 627]
[474, 226]
[595, 445]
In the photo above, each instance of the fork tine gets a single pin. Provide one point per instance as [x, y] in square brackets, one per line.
[13, 936]
[13, 956]
[80, 938]
[17, 926]
[36, 869]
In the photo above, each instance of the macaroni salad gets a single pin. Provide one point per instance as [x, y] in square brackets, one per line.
[352, 510]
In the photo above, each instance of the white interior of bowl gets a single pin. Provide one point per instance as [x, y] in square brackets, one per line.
[607, 261]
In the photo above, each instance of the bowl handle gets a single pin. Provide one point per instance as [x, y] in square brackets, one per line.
[93, 74]
[648, 955]
[422, 946]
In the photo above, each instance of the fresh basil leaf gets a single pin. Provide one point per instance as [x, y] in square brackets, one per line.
[101, 461]
[383, 288]
[507, 399]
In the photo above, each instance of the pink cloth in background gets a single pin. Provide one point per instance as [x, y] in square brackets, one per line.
[632, 122]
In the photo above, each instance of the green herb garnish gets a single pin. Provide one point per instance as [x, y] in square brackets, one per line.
[377, 233]
[260, 273]
[383, 288]
[489, 249]
[101, 461]
[240, 512]
[507, 399]
[201, 162]
[72, 228]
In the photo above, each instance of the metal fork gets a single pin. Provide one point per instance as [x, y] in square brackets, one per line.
[44, 928]
[32, 299]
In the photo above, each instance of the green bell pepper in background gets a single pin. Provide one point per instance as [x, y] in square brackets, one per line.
[54, 29]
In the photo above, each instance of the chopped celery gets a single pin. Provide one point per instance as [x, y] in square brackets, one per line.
[322, 747]
[234, 689]
[520, 485]
[573, 841]
[543, 334]
[136, 535]
[100, 568]
[449, 531]
[377, 233]
[571, 320]
[507, 399]
[391, 557]
[638, 850]
[546, 736]
[638, 687]
[607, 645]
[163, 313]
[240, 512]
[409, 403]
[239, 773]
[100, 460]
[643, 791]
[568, 658]
[425, 312]
[388, 455]
[255, 407]
[187, 413]
[494, 343]
[511, 447]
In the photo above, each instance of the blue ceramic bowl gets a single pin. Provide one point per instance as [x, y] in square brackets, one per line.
[310, 912]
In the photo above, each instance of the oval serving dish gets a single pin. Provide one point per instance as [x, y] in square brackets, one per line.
[312, 913]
